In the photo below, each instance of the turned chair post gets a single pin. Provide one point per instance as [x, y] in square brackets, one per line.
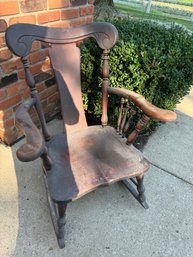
[34, 94]
[105, 83]
[138, 128]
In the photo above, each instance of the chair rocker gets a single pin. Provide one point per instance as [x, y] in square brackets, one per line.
[81, 158]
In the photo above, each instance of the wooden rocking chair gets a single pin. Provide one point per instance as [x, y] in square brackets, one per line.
[81, 158]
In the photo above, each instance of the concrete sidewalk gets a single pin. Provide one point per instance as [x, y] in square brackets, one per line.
[109, 221]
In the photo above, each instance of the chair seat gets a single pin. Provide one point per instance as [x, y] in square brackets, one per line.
[88, 158]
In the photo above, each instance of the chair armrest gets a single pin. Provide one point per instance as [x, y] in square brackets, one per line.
[149, 109]
[34, 146]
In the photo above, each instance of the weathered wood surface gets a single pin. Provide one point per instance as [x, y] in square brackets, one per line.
[149, 109]
[20, 37]
[88, 158]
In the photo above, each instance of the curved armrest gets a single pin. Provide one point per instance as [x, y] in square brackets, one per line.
[34, 146]
[148, 108]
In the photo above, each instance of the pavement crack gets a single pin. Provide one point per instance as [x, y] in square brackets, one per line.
[169, 172]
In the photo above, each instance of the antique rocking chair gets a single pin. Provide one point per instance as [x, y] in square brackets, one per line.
[81, 158]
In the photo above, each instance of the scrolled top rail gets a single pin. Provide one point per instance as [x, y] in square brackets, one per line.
[19, 37]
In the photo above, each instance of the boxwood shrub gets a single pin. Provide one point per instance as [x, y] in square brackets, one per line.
[149, 58]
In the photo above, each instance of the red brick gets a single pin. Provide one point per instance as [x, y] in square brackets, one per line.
[9, 122]
[62, 24]
[89, 19]
[53, 98]
[25, 93]
[6, 114]
[21, 74]
[9, 7]
[53, 4]
[38, 56]
[36, 45]
[2, 41]
[35, 69]
[91, 1]
[10, 134]
[78, 22]
[23, 19]
[15, 88]
[44, 104]
[40, 87]
[3, 25]
[69, 14]
[3, 93]
[10, 102]
[86, 10]
[48, 16]
[5, 55]
[32, 5]
[48, 92]
[12, 65]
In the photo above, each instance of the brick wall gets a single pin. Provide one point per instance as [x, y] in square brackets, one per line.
[13, 88]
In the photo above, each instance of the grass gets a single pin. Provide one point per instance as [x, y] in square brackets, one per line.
[175, 6]
[185, 1]
[155, 15]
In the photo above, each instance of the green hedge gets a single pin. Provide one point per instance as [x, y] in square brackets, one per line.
[149, 59]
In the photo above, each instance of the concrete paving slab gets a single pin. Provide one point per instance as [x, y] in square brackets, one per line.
[170, 147]
[107, 222]
[8, 202]
[186, 104]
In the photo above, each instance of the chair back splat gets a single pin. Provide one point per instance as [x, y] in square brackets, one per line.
[66, 64]
[81, 158]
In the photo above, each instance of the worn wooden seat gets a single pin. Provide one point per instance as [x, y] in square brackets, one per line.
[81, 158]
[102, 158]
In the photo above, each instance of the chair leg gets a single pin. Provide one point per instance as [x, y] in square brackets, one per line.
[61, 223]
[58, 213]
[141, 190]
[137, 189]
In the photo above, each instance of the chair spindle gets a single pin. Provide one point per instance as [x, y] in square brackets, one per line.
[140, 125]
[127, 125]
[124, 119]
[120, 114]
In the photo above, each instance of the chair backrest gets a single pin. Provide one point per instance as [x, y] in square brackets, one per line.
[65, 59]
